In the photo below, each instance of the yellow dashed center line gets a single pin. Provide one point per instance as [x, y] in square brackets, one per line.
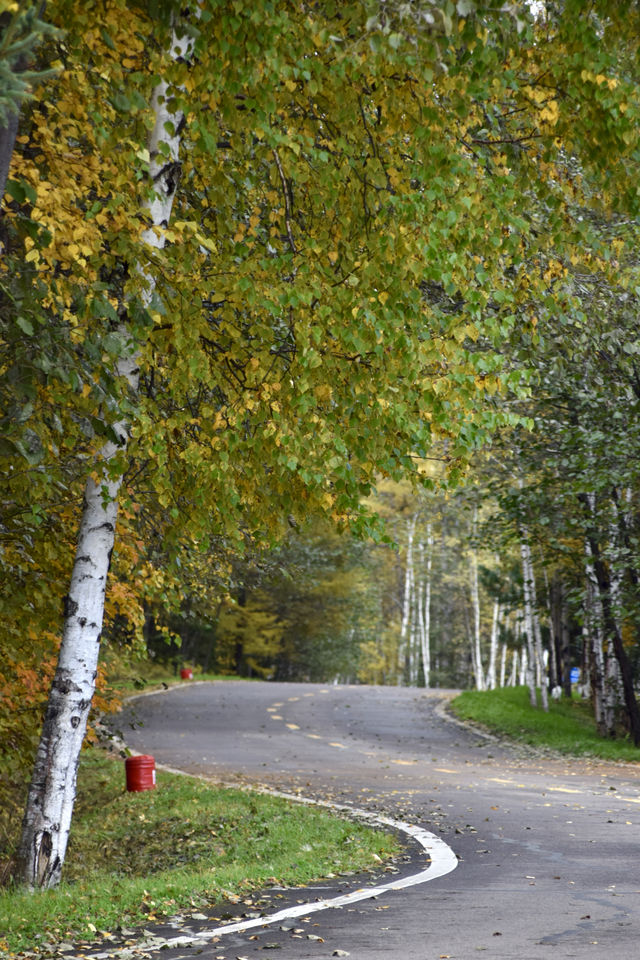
[563, 790]
[445, 770]
[292, 699]
[342, 746]
[314, 736]
[293, 726]
[276, 716]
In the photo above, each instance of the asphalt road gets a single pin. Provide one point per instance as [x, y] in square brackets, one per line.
[548, 849]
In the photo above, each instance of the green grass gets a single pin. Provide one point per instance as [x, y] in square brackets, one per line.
[127, 681]
[136, 857]
[567, 728]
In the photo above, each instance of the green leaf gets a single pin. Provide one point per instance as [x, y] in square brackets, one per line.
[25, 325]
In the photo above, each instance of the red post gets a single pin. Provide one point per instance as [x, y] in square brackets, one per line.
[140, 773]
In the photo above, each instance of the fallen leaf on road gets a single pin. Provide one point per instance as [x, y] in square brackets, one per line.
[312, 936]
[339, 953]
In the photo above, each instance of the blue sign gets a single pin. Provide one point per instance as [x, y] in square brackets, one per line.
[575, 674]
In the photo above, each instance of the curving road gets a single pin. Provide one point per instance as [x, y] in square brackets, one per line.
[548, 849]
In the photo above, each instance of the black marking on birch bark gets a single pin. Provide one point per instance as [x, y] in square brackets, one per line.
[74, 722]
[65, 686]
[43, 850]
[109, 559]
[82, 621]
[86, 559]
[170, 174]
[69, 606]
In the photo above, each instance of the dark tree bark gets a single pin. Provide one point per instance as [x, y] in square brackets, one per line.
[611, 627]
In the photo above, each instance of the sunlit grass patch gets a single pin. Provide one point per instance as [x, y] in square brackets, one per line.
[568, 727]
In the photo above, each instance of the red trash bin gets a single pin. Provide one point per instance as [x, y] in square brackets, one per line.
[186, 673]
[140, 773]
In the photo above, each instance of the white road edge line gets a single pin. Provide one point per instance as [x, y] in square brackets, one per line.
[443, 861]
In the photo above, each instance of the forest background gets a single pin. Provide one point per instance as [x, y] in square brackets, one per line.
[366, 390]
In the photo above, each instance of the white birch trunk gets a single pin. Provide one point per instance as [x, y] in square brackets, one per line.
[611, 689]
[424, 606]
[513, 677]
[503, 664]
[532, 626]
[524, 668]
[404, 646]
[493, 648]
[475, 606]
[555, 680]
[49, 809]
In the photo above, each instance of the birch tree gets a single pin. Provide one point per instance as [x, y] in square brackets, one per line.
[52, 792]
[424, 603]
[476, 649]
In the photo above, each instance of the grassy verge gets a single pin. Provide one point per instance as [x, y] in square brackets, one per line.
[138, 857]
[568, 728]
[127, 680]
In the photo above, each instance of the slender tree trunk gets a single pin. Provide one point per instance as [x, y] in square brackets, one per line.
[524, 668]
[52, 792]
[532, 623]
[528, 621]
[8, 134]
[424, 612]
[475, 606]
[606, 590]
[513, 677]
[593, 629]
[404, 646]
[493, 649]
[554, 676]
[503, 663]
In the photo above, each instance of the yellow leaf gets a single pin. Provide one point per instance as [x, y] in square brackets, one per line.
[323, 392]
[550, 112]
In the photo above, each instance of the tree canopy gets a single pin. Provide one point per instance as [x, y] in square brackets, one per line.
[377, 214]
